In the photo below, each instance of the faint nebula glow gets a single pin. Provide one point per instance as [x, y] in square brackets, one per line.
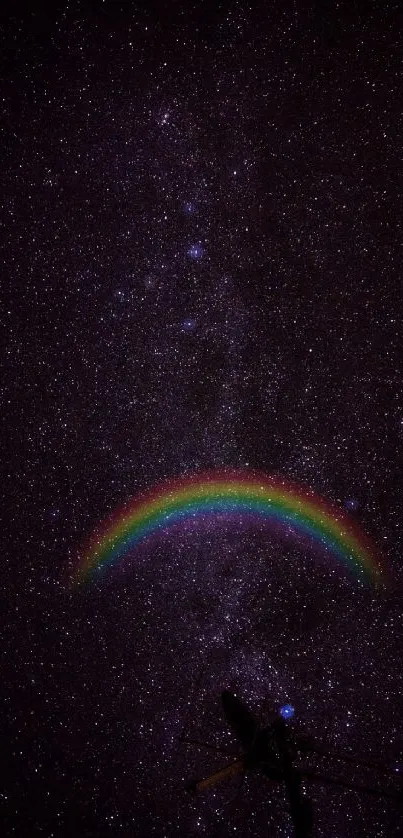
[189, 325]
[196, 251]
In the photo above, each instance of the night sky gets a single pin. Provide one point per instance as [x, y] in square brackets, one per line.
[201, 268]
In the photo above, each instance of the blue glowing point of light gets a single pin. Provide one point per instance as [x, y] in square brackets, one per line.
[189, 325]
[195, 251]
[287, 711]
[351, 504]
[189, 208]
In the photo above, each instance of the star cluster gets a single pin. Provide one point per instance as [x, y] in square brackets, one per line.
[201, 256]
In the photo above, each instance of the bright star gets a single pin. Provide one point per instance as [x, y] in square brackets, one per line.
[287, 711]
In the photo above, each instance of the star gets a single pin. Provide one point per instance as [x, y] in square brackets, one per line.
[352, 504]
[189, 208]
[189, 325]
[287, 711]
[196, 251]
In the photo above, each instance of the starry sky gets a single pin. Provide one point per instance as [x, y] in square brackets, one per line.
[201, 248]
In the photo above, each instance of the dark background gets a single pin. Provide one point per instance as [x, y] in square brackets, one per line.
[201, 267]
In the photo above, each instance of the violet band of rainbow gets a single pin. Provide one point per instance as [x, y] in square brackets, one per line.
[235, 492]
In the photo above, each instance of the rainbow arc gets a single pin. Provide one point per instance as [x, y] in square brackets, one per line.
[242, 493]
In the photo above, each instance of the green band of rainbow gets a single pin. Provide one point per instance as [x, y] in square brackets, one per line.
[244, 493]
